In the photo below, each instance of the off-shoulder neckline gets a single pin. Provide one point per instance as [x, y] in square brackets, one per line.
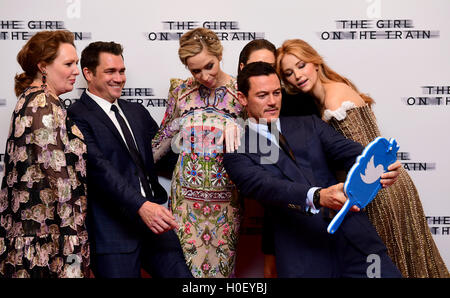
[341, 112]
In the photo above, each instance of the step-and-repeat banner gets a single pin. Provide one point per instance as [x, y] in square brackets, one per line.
[396, 51]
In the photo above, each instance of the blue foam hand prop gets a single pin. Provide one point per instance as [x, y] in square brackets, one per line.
[363, 180]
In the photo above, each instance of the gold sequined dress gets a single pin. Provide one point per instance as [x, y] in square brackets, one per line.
[396, 212]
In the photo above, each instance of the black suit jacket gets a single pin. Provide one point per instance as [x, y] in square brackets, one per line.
[300, 104]
[114, 192]
[303, 246]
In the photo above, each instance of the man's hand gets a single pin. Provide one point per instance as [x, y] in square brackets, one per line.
[389, 178]
[334, 197]
[158, 218]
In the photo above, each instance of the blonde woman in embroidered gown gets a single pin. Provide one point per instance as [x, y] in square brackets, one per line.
[43, 195]
[203, 199]
[396, 212]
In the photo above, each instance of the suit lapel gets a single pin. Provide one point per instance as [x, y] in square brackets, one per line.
[285, 164]
[135, 127]
[100, 114]
[297, 137]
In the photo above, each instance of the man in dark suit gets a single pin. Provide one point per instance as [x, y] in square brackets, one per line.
[285, 163]
[128, 228]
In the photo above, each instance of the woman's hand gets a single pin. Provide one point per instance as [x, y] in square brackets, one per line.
[389, 178]
[232, 136]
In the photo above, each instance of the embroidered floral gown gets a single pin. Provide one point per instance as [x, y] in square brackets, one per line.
[203, 199]
[396, 212]
[43, 195]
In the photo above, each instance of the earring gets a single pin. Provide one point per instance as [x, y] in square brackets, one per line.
[44, 80]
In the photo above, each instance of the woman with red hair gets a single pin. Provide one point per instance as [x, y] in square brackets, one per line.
[396, 212]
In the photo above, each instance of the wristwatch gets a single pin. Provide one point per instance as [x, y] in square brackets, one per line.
[316, 198]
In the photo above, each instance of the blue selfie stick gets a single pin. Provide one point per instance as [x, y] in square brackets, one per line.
[363, 180]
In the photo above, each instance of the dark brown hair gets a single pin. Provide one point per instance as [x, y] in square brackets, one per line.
[252, 46]
[90, 55]
[41, 47]
[253, 69]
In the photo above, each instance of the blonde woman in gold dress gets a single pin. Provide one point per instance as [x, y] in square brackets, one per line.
[396, 212]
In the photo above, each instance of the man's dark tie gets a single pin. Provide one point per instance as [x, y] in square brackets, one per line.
[273, 129]
[136, 156]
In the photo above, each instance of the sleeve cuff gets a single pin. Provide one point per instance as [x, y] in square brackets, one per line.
[309, 201]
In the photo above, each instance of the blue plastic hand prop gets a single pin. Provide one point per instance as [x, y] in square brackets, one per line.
[363, 180]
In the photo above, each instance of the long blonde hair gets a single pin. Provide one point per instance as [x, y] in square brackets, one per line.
[303, 51]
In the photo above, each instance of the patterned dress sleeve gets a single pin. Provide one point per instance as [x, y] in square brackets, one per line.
[49, 139]
[170, 125]
[45, 184]
[36, 151]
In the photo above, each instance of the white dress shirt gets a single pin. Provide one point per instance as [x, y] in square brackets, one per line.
[106, 107]
[263, 130]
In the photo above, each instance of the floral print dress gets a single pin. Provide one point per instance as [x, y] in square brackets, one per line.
[43, 195]
[203, 199]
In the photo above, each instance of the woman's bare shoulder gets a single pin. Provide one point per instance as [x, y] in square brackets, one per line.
[337, 93]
